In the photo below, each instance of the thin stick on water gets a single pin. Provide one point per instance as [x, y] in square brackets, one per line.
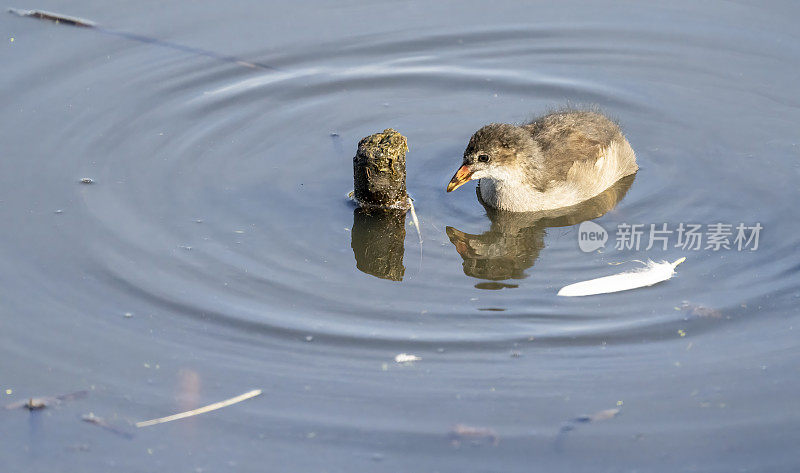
[414, 219]
[416, 225]
[201, 410]
[54, 17]
[58, 18]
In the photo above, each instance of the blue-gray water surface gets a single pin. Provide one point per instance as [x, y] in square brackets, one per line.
[215, 252]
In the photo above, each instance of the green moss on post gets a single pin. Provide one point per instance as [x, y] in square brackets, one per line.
[379, 171]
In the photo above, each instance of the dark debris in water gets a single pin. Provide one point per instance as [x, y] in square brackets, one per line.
[572, 424]
[36, 403]
[598, 416]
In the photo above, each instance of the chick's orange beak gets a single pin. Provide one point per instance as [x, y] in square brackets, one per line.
[463, 175]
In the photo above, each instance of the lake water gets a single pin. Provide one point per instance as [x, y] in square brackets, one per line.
[215, 251]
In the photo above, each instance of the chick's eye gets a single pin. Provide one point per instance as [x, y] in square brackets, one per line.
[484, 158]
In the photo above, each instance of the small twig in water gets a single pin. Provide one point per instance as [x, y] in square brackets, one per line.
[414, 219]
[54, 17]
[201, 410]
[60, 19]
[416, 225]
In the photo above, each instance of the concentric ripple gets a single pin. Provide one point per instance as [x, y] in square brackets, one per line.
[219, 189]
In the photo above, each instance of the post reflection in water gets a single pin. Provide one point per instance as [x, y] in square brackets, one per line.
[514, 240]
[377, 240]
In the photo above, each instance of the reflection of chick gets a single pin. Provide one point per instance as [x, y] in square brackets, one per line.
[556, 161]
[514, 240]
[498, 255]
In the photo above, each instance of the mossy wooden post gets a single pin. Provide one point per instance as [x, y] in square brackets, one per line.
[379, 177]
[379, 171]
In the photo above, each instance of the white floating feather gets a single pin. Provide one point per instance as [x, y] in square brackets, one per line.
[406, 358]
[652, 274]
